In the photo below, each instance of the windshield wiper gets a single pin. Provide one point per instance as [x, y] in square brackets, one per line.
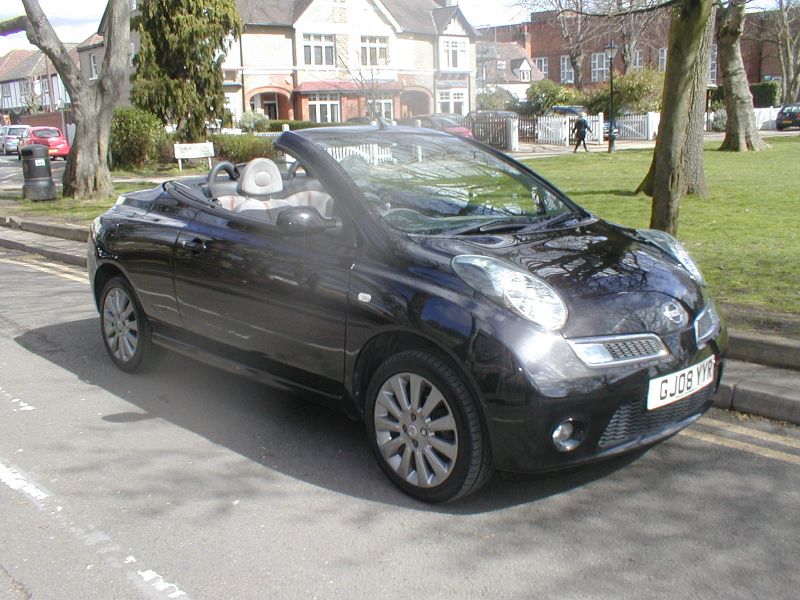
[561, 219]
[506, 224]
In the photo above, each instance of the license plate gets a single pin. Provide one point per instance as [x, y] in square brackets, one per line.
[675, 386]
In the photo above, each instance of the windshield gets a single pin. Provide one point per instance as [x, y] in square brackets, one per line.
[16, 130]
[421, 183]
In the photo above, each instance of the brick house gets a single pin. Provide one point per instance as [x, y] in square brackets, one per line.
[330, 60]
[542, 39]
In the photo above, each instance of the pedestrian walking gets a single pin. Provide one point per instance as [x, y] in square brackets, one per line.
[581, 129]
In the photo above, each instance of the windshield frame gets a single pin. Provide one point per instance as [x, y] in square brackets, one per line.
[470, 224]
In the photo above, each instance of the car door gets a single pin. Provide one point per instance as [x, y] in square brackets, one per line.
[275, 302]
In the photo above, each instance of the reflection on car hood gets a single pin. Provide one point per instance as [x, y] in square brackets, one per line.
[611, 283]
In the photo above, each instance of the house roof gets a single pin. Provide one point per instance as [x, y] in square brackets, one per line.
[93, 41]
[414, 16]
[12, 61]
[22, 64]
[511, 57]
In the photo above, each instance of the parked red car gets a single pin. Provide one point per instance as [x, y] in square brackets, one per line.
[58, 146]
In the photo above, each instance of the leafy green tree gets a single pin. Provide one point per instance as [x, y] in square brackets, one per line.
[495, 99]
[178, 75]
[546, 93]
[635, 92]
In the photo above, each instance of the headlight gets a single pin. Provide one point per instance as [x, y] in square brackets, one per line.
[675, 249]
[527, 295]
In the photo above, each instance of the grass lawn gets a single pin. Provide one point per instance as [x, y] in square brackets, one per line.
[744, 235]
[64, 210]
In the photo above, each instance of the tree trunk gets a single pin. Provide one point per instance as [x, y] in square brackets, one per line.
[86, 174]
[741, 133]
[788, 39]
[694, 175]
[666, 180]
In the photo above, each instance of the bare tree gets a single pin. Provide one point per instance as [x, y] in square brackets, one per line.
[785, 26]
[86, 174]
[741, 133]
[633, 26]
[579, 21]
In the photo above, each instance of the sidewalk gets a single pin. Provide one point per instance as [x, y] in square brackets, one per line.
[762, 375]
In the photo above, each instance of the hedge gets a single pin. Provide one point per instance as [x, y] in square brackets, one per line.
[765, 94]
[242, 148]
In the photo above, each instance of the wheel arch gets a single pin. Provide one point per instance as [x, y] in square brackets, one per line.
[384, 345]
[105, 272]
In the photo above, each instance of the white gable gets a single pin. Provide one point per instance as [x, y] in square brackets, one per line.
[454, 27]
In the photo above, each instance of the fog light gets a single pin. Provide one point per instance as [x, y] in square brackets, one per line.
[568, 435]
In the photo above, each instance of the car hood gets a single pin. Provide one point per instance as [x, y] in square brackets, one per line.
[611, 281]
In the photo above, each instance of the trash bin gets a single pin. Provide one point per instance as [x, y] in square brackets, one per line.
[39, 184]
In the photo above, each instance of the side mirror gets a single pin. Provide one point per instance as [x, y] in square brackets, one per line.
[304, 220]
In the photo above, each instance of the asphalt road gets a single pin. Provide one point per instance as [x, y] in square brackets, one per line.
[187, 482]
[11, 170]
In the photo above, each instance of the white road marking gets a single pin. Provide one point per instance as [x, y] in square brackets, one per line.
[709, 438]
[49, 268]
[19, 404]
[775, 438]
[151, 583]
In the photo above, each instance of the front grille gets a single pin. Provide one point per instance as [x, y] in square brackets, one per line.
[636, 348]
[632, 420]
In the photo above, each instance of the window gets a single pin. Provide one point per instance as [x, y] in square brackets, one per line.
[638, 60]
[133, 53]
[318, 49]
[374, 50]
[381, 107]
[501, 65]
[567, 74]
[662, 59]
[134, 5]
[712, 65]
[541, 64]
[92, 66]
[599, 67]
[455, 54]
[452, 101]
[525, 74]
[323, 108]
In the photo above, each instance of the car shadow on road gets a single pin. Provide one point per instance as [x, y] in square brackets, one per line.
[282, 432]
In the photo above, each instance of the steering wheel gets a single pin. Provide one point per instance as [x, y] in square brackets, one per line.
[226, 166]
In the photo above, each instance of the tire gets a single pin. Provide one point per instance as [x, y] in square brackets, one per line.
[424, 428]
[124, 327]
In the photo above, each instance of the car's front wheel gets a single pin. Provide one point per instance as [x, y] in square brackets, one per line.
[425, 428]
[124, 326]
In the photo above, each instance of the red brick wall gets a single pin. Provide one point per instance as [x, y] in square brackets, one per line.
[46, 120]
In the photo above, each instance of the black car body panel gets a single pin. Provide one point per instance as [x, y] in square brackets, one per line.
[313, 313]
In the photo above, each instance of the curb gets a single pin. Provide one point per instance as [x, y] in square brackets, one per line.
[771, 402]
[770, 350]
[65, 257]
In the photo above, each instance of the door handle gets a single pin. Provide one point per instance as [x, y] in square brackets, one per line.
[196, 245]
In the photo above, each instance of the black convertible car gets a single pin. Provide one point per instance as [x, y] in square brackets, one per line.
[471, 314]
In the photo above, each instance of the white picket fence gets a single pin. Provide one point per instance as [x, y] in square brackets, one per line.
[372, 153]
[638, 127]
[557, 131]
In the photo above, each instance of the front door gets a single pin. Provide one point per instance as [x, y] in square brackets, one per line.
[277, 302]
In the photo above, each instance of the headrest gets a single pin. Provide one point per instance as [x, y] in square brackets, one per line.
[260, 177]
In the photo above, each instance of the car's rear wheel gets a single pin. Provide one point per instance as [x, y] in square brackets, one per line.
[124, 326]
[425, 428]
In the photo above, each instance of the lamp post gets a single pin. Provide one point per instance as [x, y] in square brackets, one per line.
[611, 53]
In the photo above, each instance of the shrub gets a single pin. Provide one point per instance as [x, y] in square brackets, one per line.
[719, 120]
[496, 99]
[253, 121]
[277, 124]
[136, 136]
[766, 94]
[242, 148]
[546, 93]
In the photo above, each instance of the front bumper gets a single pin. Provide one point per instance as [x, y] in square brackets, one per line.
[609, 405]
